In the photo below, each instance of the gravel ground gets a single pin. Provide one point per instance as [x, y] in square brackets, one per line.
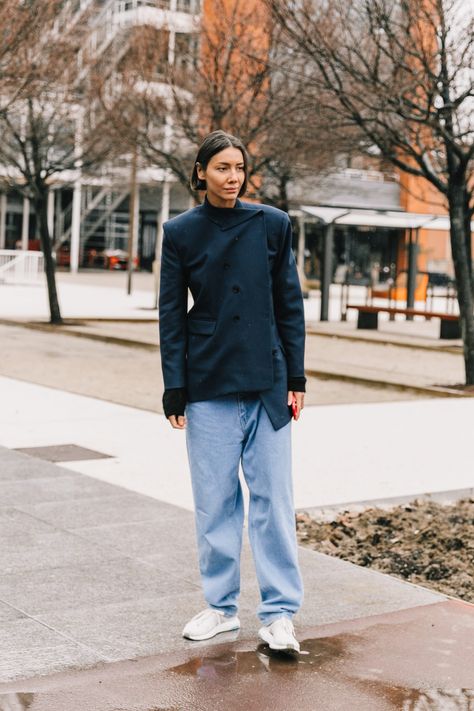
[427, 543]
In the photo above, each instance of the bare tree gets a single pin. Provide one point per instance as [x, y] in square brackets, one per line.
[232, 75]
[401, 73]
[18, 23]
[47, 121]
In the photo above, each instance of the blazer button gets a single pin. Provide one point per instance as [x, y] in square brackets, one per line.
[226, 265]
[236, 318]
[236, 289]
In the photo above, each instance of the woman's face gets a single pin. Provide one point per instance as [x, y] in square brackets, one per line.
[224, 176]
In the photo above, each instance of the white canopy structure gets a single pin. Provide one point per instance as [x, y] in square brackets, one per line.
[397, 219]
[331, 217]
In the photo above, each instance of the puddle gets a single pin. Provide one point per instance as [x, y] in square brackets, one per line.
[219, 666]
[227, 662]
[425, 700]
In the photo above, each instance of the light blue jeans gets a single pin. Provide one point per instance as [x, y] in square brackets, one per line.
[220, 433]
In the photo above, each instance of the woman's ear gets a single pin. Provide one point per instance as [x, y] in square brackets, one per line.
[200, 172]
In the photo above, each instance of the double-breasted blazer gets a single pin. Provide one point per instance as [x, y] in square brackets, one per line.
[245, 331]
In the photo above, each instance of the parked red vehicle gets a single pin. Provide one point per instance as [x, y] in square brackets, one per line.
[115, 259]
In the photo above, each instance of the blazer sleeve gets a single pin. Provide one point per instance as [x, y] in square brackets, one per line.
[173, 305]
[288, 304]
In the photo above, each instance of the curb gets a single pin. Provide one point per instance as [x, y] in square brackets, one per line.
[456, 350]
[331, 511]
[432, 390]
[116, 340]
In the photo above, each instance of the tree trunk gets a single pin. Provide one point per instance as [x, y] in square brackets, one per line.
[459, 222]
[467, 232]
[41, 210]
[283, 192]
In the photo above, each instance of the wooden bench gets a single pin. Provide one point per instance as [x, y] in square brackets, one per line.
[367, 318]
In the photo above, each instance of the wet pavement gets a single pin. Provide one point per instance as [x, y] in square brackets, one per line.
[418, 659]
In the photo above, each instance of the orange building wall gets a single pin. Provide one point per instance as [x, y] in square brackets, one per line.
[245, 22]
[418, 195]
[243, 25]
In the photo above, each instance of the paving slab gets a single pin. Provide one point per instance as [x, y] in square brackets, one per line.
[9, 614]
[66, 486]
[416, 659]
[73, 586]
[23, 468]
[56, 550]
[108, 510]
[131, 628]
[34, 648]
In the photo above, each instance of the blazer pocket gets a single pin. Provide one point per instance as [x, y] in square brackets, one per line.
[202, 327]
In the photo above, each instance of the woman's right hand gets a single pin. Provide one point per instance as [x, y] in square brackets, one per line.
[174, 407]
[178, 422]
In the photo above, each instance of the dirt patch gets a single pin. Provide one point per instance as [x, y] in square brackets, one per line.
[427, 543]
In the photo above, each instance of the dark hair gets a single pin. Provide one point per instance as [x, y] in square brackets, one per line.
[214, 143]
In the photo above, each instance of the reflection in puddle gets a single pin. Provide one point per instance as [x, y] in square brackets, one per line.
[428, 700]
[16, 702]
[227, 662]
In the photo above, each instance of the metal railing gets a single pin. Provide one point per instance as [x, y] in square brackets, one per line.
[114, 13]
[124, 5]
[21, 267]
[190, 6]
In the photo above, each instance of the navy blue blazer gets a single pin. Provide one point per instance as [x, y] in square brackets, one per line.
[245, 331]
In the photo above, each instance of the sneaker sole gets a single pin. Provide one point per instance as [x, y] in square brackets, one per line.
[223, 627]
[266, 637]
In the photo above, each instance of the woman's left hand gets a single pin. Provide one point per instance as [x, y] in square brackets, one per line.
[299, 397]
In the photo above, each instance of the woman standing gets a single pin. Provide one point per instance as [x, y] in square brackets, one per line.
[233, 369]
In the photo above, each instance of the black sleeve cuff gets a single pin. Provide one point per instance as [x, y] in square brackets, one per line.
[174, 401]
[297, 385]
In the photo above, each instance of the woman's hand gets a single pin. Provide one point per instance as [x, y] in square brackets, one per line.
[299, 397]
[174, 407]
[177, 422]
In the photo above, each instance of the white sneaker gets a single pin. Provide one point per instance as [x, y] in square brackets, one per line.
[280, 635]
[208, 623]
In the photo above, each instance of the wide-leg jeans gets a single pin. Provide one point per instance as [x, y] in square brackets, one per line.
[220, 434]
